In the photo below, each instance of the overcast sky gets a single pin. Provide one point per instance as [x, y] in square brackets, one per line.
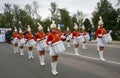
[86, 6]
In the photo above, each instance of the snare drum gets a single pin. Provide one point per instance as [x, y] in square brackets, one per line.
[107, 38]
[58, 47]
[80, 39]
[43, 43]
[87, 37]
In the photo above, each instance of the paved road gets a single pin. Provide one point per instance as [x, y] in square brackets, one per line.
[87, 65]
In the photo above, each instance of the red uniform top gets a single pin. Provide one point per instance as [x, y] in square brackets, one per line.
[40, 35]
[84, 32]
[29, 36]
[75, 34]
[20, 36]
[68, 33]
[48, 33]
[14, 35]
[59, 33]
[53, 37]
[100, 31]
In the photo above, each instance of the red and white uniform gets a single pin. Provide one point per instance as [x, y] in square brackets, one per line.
[68, 35]
[75, 34]
[40, 36]
[84, 33]
[52, 38]
[99, 33]
[21, 40]
[29, 38]
[15, 39]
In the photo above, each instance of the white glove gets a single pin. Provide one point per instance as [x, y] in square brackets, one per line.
[49, 42]
[38, 39]
[75, 37]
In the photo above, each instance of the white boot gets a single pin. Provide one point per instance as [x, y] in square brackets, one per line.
[84, 46]
[21, 52]
[43, 58]
[97, 47]
[17, 50]
[14, 49]
[76, 51]
[40, 59]
[53, 68]
[101, 55]
[68, 44]
[31, 54]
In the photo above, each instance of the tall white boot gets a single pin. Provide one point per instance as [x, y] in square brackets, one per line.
[76, 51]
[68, 44]
[14, 49]
[101, 55]
[97, 47]
[40, 59]
[53, 68]
[84, 46]
[21, 52]
[43, 58]
[17, 50]
[31, 54]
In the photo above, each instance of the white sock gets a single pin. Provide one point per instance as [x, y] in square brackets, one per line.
[14, 49]
[21, 52]
[76, 51]
[68, 44]
[101, 55]
[84, 46]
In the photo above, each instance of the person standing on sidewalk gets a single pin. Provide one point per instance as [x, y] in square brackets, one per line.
[100, 43]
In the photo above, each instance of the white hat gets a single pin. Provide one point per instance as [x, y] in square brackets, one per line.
[29, 29]
[83, 27]
[20, 30]
[59, 27]
[40, 27]
[53, 25]
[100, 21]
[75, 27]
[67, 28]
[15, 29]
[48, 29]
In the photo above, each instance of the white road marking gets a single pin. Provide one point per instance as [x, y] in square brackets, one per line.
[91, 58]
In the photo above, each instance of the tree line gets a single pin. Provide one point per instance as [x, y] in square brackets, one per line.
[15, 16]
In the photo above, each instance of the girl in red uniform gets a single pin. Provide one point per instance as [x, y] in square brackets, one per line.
[30, 42]
[15, 40]
[21, 41]
[83, 34]
[68, 37]
[75, 34]
[40, 36]
[53, 38]
[99, 33]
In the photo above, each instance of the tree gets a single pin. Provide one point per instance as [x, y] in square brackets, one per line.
[65, 18]
[87, 24]
[108, 13]
[54, 11]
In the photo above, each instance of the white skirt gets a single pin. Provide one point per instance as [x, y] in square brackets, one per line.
[52, 52]
[100, 42]
[75, 41]
[39, 47]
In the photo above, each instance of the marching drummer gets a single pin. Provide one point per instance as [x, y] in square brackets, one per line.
[40, 36]
[21, 41]
[15, 40]
[68, 37]
[83, 34]
[75, 34]
[53, 38]
[99, 33]
[29, 42]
